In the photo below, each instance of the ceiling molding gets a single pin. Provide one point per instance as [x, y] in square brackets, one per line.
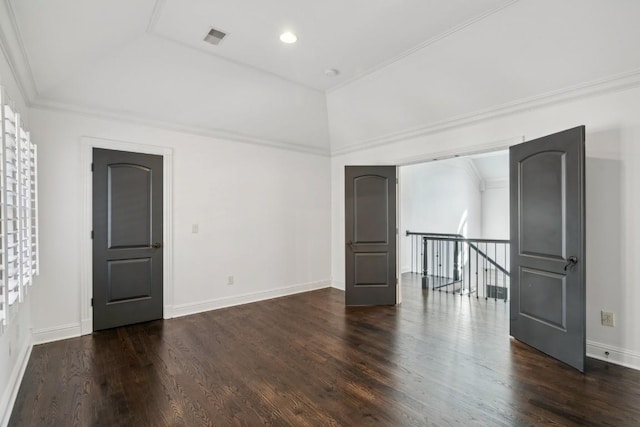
[232, 61]
[615, 83]
[140, 120]
[16, 55]
[155, 15]
[496, 183]
[475, 173]
[151, 30]
[421, 46]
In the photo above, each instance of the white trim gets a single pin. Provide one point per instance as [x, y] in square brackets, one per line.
[617, 355]
[13, 385]
[19, 64]
[140, 120]
[87, 144]
[499, 145]
[155, 15]
[496, 183]
[609, 84]
[217, 303]
[338, 284]
[56, 333]
[398, 240]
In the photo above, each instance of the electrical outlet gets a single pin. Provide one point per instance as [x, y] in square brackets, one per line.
[607, 318]
[195, 228]
[229, 280]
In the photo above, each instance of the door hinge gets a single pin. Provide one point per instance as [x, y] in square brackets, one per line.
[91, 167]
[91, 234]
[91, 302]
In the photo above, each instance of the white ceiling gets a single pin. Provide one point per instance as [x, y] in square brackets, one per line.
[403, 63]
[352, 36]
[492, 166]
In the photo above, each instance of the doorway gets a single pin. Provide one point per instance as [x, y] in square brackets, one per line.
[455, 224]
[87, 144]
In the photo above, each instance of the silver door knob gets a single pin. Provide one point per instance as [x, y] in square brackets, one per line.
[156, 245]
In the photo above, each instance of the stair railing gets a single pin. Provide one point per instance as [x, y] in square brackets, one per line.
[460, 265]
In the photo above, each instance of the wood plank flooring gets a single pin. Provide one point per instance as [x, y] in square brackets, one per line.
[306, 360]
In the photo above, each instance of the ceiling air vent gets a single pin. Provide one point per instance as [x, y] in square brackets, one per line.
[214, 37]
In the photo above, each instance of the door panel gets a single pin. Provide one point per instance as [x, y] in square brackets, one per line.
[129, 279]
[370, 209]
[129, 206]
[542, 215]
[548, 300]
[127, 244]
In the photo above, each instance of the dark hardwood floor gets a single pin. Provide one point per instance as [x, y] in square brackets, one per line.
[438, 359]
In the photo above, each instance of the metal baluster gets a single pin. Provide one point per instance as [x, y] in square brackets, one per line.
[446, 264]
[477, 289]
[504, 275]
[469, 266]
[484, 268]
[424, 256]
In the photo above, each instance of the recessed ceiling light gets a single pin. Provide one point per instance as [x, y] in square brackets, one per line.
[331, 72]
[288, 37]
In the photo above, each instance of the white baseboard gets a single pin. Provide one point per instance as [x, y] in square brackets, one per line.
[56, 333]
[11, 391]
[167, 312]
[86, 326]
[217, 303]
[338, 285]
[615, 355]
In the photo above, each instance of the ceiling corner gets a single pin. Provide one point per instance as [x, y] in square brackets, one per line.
[14, 51]
[155, 15]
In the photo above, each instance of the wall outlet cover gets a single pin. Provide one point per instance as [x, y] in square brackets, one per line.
[607, 318]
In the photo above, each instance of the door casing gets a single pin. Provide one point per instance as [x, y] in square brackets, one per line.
[86, 244]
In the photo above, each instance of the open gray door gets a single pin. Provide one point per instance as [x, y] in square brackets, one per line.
[127, 242]
[548, 245]
[370, 225]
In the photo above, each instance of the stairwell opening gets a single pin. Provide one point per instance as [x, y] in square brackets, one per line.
[454, 219]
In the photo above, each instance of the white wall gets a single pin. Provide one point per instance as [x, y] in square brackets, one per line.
[15, 340]
[495, 210]
[613, 201]
[438, 197]
[530, 48]
[263, 216]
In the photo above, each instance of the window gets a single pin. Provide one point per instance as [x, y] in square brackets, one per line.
[18, 210]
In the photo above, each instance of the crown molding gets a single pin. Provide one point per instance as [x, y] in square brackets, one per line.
[610, 84]
[155, 15]
[137, 119]
[472, 169]
[14, 51]
[496, 183]
[421, 46]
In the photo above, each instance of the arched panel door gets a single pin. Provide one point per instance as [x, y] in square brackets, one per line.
[370, 241]
[548, 300]
[127, 238]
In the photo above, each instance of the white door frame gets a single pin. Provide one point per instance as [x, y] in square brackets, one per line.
[499, 145]
[87, 144]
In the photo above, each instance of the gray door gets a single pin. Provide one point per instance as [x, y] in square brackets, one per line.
[127, 238]
[548, 245]
[370, 209]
